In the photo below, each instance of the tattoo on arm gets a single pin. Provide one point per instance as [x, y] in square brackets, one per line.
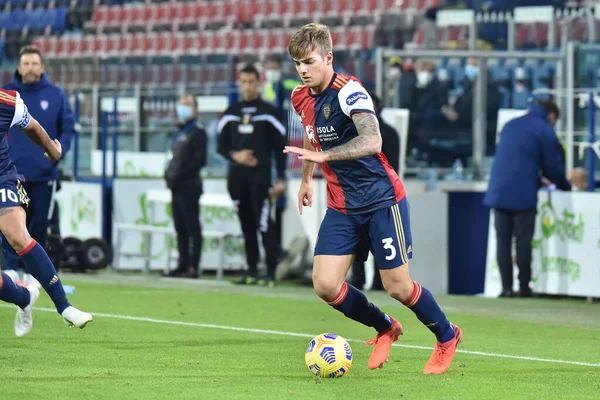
[4, 211]
[367, 143]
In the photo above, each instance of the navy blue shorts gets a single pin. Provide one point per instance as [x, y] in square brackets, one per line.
[385, 232]
[12, 194]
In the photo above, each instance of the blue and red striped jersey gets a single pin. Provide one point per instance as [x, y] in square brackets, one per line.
[13, 112]
[353, 186]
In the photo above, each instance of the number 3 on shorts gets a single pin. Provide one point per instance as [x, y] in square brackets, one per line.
[388, 245]
[12, 196]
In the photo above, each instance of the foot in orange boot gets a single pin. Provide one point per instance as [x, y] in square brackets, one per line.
[383, 344]
[443, 353]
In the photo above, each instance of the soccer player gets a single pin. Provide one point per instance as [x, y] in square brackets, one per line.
[13, 201]
[367, 204]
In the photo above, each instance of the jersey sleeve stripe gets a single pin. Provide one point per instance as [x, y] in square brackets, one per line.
[361, 111]
[225, 120]
[5, 98]
[341, 80]
[299, 87]
[274, 121]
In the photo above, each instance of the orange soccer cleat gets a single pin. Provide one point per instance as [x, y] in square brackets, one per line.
[443, 353]
[383, 344]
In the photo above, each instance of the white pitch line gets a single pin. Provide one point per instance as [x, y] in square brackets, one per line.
[306, 335]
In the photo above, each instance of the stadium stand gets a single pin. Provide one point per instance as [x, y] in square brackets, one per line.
[165, 43]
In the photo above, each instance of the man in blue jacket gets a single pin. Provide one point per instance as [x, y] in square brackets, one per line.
[528, 150]
[49, 105]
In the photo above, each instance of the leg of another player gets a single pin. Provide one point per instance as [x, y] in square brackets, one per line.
[37, 262]
[10, 262]
[401, 287]
[24, 298]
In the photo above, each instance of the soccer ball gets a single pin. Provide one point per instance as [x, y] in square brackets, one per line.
[328, 356]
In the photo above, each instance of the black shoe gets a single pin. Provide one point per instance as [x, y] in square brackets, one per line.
[176, 273]
[506, 293]
[192, 273]
[528, 293]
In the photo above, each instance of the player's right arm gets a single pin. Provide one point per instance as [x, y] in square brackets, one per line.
[35, 131]
[308, 166]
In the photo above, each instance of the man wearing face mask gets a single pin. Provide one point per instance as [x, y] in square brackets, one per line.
[461, 114]
[250, 135]
[183, 178]
[48, 104]
[277, 88]
[527, 152]
[431, 97]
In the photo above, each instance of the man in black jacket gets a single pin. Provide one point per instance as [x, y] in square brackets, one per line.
[183, 178]
[250, 134]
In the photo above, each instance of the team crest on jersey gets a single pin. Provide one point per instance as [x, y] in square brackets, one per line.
[44, 104]
[327, 111]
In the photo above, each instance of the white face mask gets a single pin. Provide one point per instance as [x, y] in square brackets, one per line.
[273, 75]
[424, 78]
[393, 73]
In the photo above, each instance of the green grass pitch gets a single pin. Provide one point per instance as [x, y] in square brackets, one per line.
[169, 339]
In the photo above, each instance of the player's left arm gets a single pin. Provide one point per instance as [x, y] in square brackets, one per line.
[367, 143]
[35, 131]
[356, 103]
[39, 136]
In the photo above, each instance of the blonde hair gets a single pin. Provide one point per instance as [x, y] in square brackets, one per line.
[311, 37]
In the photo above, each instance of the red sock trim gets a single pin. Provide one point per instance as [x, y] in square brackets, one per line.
[28, 248]
[341, 296]
[414, 296]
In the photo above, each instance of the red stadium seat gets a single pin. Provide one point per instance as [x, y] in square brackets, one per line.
[58, 47]
[84, 47]
[259, 40]
[160, 47]
[245, 41]
[45, 44]
[137, 15]
[190, 40]
[112, 44]
[134, 44]
[175, 43]
[100, 16]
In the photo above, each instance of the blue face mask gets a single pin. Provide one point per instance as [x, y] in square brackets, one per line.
[471, 71]
[183, 112]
